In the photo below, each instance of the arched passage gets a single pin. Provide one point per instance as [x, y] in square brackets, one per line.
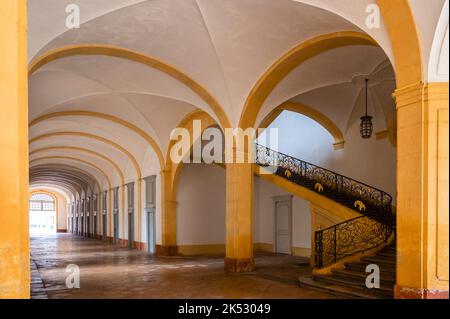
[290, 60]
[310, 112]
[234, 65]
[43, 213]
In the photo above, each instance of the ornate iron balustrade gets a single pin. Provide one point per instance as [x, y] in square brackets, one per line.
[356, 195]
[350, 237]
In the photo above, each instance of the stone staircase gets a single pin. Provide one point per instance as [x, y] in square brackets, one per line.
[350, 281]
[373, 228]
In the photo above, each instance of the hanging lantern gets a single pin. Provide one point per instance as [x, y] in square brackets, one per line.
[366, 127]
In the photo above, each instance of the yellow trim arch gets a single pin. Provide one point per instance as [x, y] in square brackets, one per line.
[289, 61]
[118, 52]
[116, 167]
[97, 184]
[206, 121]
[55, 198]
[313, 114]
[123, 150]
[108, 117]
[169, 181]
[96, 137]
[89, 164]
[52, 148]
[76, 160]
[400, 24]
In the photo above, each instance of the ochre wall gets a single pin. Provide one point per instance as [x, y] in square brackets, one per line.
[14, 242]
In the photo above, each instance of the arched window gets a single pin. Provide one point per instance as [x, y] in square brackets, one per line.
[42, 202]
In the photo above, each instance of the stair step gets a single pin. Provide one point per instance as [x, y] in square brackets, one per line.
[387, 257]
[391, 255]
[360, 284]
[379, 261]
[386, 279]
[342, 290]
[385, 270]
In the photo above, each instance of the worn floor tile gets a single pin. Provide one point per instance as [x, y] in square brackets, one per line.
[107, 271]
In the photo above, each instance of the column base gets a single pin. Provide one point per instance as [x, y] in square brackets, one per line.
[239, 265]
[419, 293]
[166, 250]
[123, 242]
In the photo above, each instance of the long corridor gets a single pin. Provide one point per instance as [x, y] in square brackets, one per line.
[107, 271]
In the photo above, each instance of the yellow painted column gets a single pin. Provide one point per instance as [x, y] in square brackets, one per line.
[14, 238]
[239, 218]
[139, 212]
[169, 217]
[422, 187]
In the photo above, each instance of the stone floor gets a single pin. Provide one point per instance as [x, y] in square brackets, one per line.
[107, 271]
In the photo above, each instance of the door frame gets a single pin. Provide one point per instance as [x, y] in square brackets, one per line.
[276, 200]
[131, 217]
[150, 210]
[151, 219]
[115, 216]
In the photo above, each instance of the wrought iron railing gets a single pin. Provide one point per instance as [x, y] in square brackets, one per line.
[340, 188]
[350, 237]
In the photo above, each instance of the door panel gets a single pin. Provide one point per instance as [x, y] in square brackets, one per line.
[151, 231]
[283, 227]
[104, 228]
[150, 206]
[130, 230]
[116, 228]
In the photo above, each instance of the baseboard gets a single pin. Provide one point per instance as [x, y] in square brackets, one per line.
[140, 246]
[211, 249]
[263, 247]
[301, 252]
[192, 250]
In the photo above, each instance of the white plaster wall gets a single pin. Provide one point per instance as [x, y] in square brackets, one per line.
[201, 205]
[264, 213]
[62, 211]
[201, 209]
[370, 161]
[144, 238]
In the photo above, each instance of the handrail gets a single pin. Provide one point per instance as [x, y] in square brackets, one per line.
[325, 169]
[337, 183]
[341, 223]
[349, 238]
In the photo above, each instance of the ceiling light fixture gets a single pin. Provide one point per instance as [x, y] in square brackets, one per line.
[366, 127]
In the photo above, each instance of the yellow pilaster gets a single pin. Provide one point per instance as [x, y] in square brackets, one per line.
[14, 240]
[239, 218]
[123, 212]
[422, 187]
[168, 246]
[139, 211]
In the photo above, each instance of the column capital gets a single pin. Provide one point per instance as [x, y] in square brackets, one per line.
[421, 92]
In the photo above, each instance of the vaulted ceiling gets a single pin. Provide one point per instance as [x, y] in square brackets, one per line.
[98, 110]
